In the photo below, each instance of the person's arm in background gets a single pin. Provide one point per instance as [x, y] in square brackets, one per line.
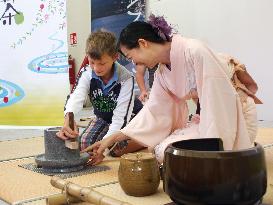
[140, 72]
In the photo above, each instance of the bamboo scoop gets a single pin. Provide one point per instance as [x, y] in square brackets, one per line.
[84, 193]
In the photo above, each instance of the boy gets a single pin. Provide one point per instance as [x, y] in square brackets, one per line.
[110, 87]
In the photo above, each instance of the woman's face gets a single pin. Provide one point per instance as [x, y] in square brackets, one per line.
[140, 56]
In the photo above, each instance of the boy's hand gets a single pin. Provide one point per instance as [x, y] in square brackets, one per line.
[66, 132]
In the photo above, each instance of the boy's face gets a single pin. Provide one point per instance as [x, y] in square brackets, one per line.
[103, 66]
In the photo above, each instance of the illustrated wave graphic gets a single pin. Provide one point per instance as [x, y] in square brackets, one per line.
[10, 93]
[51, 63]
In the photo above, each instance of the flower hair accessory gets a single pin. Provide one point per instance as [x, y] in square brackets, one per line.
[163, 29]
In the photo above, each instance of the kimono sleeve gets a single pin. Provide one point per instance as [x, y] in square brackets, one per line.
[155, 120]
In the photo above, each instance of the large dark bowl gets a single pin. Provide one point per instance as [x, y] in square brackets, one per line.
[198, 171]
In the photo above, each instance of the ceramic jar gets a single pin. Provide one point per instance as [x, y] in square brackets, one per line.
[138, 174]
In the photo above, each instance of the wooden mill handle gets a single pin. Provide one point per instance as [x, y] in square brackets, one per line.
[71, 120]
[71, 123]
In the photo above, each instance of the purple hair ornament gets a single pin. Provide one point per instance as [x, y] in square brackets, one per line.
[164, 30]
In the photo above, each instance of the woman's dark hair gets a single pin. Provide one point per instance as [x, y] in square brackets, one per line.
[136, 30]
[155, 30]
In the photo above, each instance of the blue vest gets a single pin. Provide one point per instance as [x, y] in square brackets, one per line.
[104, 103]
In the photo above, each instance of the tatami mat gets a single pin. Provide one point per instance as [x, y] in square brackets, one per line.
[268, 198]
[115, 191]
[21, 148]
[19, 184]
[43, 202]
[265, 136]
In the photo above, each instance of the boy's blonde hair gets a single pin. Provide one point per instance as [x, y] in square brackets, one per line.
[99, 43]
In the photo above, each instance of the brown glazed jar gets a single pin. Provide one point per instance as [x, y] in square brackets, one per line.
[138, 174]
[198, 171]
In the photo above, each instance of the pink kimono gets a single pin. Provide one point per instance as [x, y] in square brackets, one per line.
[164, 117]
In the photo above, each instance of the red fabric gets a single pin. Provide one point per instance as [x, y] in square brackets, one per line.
[84, 63]
[72, 77]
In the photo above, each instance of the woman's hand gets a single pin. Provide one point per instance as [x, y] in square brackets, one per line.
[95, 157]
[98, 149]
[195, 119]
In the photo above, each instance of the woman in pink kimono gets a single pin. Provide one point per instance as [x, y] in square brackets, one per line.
[188, 69]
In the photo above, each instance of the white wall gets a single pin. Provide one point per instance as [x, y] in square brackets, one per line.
[242, 28]
[79, 21]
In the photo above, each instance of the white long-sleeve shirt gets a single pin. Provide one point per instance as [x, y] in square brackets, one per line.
[112, 102]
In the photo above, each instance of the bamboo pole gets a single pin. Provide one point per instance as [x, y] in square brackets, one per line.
[61, 199]
[84, 193]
